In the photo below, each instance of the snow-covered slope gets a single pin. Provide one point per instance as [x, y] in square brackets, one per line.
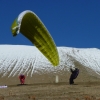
[17, 59]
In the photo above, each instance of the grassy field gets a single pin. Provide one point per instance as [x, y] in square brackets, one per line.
[57, 91]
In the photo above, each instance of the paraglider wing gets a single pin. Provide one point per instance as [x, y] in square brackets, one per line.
[29, 24]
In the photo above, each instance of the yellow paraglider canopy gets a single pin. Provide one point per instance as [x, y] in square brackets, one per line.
[29, 24]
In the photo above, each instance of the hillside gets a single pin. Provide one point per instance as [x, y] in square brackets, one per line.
[17, 59]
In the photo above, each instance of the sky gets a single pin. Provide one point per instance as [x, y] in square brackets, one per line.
[71, 23]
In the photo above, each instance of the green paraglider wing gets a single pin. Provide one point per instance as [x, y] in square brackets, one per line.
[32, 28]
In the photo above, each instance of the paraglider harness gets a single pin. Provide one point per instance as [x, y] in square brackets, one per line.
[75, 73]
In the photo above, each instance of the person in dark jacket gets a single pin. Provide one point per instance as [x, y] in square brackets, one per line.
[22, 78]
[74, 75]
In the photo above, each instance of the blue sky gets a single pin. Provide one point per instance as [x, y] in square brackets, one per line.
[71, 23]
